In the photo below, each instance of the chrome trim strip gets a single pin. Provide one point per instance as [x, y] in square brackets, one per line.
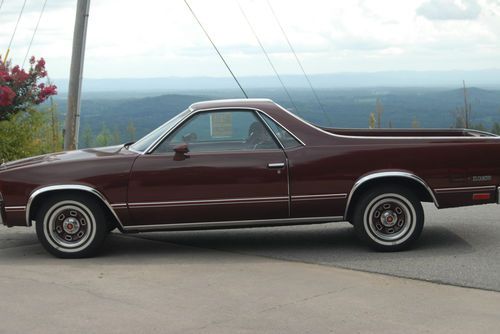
[14, 208]
[318, 197]
[250, 200]
[236, 223]
[79, 187]
[119, 205]
[276, 165]
[465, 189]
[379, 175]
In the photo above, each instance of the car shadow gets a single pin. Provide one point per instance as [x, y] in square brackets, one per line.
[314, 243]
[334, 239]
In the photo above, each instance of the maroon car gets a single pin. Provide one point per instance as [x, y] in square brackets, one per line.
[249, 163]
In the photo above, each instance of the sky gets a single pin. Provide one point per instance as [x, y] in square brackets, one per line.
[160, 38]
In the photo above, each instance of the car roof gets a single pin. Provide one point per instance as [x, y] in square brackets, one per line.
[232, 103]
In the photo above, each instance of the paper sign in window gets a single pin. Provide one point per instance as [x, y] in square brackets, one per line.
[221, 125]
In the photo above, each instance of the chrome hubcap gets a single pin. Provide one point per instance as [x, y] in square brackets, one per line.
[70, 225]
[389, 218]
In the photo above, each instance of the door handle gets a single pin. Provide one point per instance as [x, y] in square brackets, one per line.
[276, 165]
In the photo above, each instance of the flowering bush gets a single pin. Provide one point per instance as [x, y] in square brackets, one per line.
[21, 90]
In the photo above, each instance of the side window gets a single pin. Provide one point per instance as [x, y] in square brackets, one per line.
[217, 131]
[286, 139]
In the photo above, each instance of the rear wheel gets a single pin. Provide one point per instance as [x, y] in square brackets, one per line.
[71, 226]
[388, 218]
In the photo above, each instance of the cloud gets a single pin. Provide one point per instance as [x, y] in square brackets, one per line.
[441, 10]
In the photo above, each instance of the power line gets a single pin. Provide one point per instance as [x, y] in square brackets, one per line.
[34, 33]
[299, 62]
[215, 47]
[15, 29]
[1, 4]
[267, 56]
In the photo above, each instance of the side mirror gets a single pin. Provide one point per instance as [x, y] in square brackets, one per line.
[180, 152]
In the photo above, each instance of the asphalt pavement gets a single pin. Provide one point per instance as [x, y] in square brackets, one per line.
[270, 280]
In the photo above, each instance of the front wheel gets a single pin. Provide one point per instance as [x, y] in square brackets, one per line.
[71, 226]
[388, 218]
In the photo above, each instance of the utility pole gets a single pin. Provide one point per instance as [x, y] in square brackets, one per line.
[467, 108]
[75, 78]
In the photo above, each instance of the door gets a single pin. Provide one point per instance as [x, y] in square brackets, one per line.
[226, 167]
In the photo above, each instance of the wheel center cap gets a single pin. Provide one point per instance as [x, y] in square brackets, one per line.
[71, 225]
[388, 218]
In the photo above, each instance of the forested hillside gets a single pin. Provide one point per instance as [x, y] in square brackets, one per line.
[124, 118]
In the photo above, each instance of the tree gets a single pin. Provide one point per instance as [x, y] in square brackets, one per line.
[463, 114]
[371, 121]
[116, 136]
[88, 136]
[104, 137]
[25, 129]
[415, 123]
[496, 128]
[21, 90]
[379, 109]
[131, 131]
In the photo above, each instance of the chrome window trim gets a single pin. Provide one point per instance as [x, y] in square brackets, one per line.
[275, 121]
[379, 175]
[79, 187]
[192, 112]
[160, 139]
[234, 223]
[259, 116]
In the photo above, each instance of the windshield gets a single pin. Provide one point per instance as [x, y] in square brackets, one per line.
[142, 144]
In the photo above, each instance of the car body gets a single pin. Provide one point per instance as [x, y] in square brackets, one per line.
[247, 163]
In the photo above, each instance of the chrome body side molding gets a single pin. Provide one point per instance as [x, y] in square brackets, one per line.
[379, 175]
[59, 187]
[464, 189]
[227, 201]
[234, 224]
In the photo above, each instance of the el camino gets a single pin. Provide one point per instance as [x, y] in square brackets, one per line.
[249, 163]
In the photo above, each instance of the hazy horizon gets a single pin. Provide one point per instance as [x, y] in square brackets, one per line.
[486, 79]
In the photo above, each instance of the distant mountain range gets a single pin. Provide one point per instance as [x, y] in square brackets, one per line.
[348, 107]
[480, 78]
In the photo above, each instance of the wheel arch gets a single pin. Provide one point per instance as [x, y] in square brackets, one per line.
[406, 179]
[37, 196]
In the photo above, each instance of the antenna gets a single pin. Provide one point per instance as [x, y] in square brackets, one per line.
[267, 56]
[216, 49]
[299, 63]
[34, 33]
[15, 29]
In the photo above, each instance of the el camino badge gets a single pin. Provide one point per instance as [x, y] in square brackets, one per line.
[481, 178]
